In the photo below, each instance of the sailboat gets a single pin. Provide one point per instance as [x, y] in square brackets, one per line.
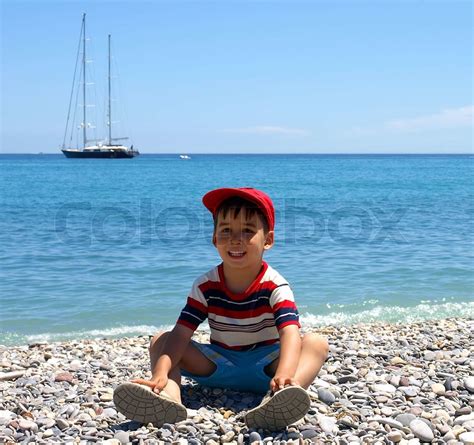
[103, 149]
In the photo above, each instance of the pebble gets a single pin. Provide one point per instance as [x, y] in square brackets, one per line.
[384, 388]
[64, 377]
[397, 361]
[62, 424]
[107, 397]
[27, 425]
[463, 419]
[228, 437]
[421, 430]
[469, 384]
[309, 433]
[463, 411]
[386, 410]
[48, 433]
[327, 424]
[122, 436]
[467, 438]
[109, 412]
[45, 422]
[6, 416]
[346, 379]
[75, 365]
[390, 422]
[438, 388]
[382, 383]
[410, 391]
[429, 356]
[404, 381]
[326, 396]
[6, 376]
[254, 437]
[394, 436]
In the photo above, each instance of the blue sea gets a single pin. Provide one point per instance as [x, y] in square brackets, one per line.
[103, 248]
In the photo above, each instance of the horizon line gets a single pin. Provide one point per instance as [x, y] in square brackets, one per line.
[268, 153]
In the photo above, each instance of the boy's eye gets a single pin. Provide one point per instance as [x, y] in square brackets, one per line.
[248, 231]
[226, 230]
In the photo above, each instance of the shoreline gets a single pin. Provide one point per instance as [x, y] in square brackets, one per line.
[420, 313]
[382, 383]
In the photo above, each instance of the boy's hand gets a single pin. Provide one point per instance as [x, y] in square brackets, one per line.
[280, 381]
[156, 384]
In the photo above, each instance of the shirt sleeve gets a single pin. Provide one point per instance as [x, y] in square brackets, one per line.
[195, 311]
[283, 306]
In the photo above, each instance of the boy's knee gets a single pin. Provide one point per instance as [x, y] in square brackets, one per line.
[318, 343]
[158, 339]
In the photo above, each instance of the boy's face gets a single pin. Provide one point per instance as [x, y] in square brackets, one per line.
[241, 241]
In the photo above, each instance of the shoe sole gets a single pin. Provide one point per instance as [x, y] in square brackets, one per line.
[138, 402]
[285, 407]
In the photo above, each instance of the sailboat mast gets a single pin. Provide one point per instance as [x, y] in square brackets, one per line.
[110, 102]
[84, 125]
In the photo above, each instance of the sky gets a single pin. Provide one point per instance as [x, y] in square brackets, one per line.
[341, 76]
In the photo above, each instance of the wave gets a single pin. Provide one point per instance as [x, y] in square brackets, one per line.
[428, 310]
[10, 339]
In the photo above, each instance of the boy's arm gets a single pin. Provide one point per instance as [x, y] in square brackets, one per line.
[173, 351]
[290, 349]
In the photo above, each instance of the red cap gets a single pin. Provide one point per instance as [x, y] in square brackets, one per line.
[213, 199]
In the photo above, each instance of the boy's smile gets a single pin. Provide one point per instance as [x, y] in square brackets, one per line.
[235, 254]
[241, 243]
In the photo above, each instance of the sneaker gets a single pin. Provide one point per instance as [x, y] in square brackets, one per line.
[140, 403]
[279, 410]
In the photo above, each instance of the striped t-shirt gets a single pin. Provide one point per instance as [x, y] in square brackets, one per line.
[241, 321]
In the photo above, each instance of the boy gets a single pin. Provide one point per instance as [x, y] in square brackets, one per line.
[255, 341]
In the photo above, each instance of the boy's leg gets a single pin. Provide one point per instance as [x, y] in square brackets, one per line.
[136, 401]
[193, 361]
[291, 403]
[314, 352]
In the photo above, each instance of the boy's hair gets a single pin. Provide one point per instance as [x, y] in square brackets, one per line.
[235, 204]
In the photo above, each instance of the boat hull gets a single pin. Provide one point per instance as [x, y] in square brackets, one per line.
[100, 154]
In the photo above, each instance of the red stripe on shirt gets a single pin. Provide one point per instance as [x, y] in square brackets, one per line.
[197, 305]
[209, 285]
[217, 286]
[284, 304]
[191, 326]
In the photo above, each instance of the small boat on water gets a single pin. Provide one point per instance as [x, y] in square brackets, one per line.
[185, 157]
[101, 149]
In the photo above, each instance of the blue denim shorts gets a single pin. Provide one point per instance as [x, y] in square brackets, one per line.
[237, 370]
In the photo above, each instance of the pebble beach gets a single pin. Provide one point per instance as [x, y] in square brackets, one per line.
[382, 384]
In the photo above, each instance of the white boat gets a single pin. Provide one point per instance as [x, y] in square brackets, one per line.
[185, 157]
[103, 149]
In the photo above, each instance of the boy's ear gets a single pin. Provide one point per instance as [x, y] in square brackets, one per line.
[269, 240]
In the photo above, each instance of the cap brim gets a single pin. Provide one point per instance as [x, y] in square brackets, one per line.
[213, 199]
